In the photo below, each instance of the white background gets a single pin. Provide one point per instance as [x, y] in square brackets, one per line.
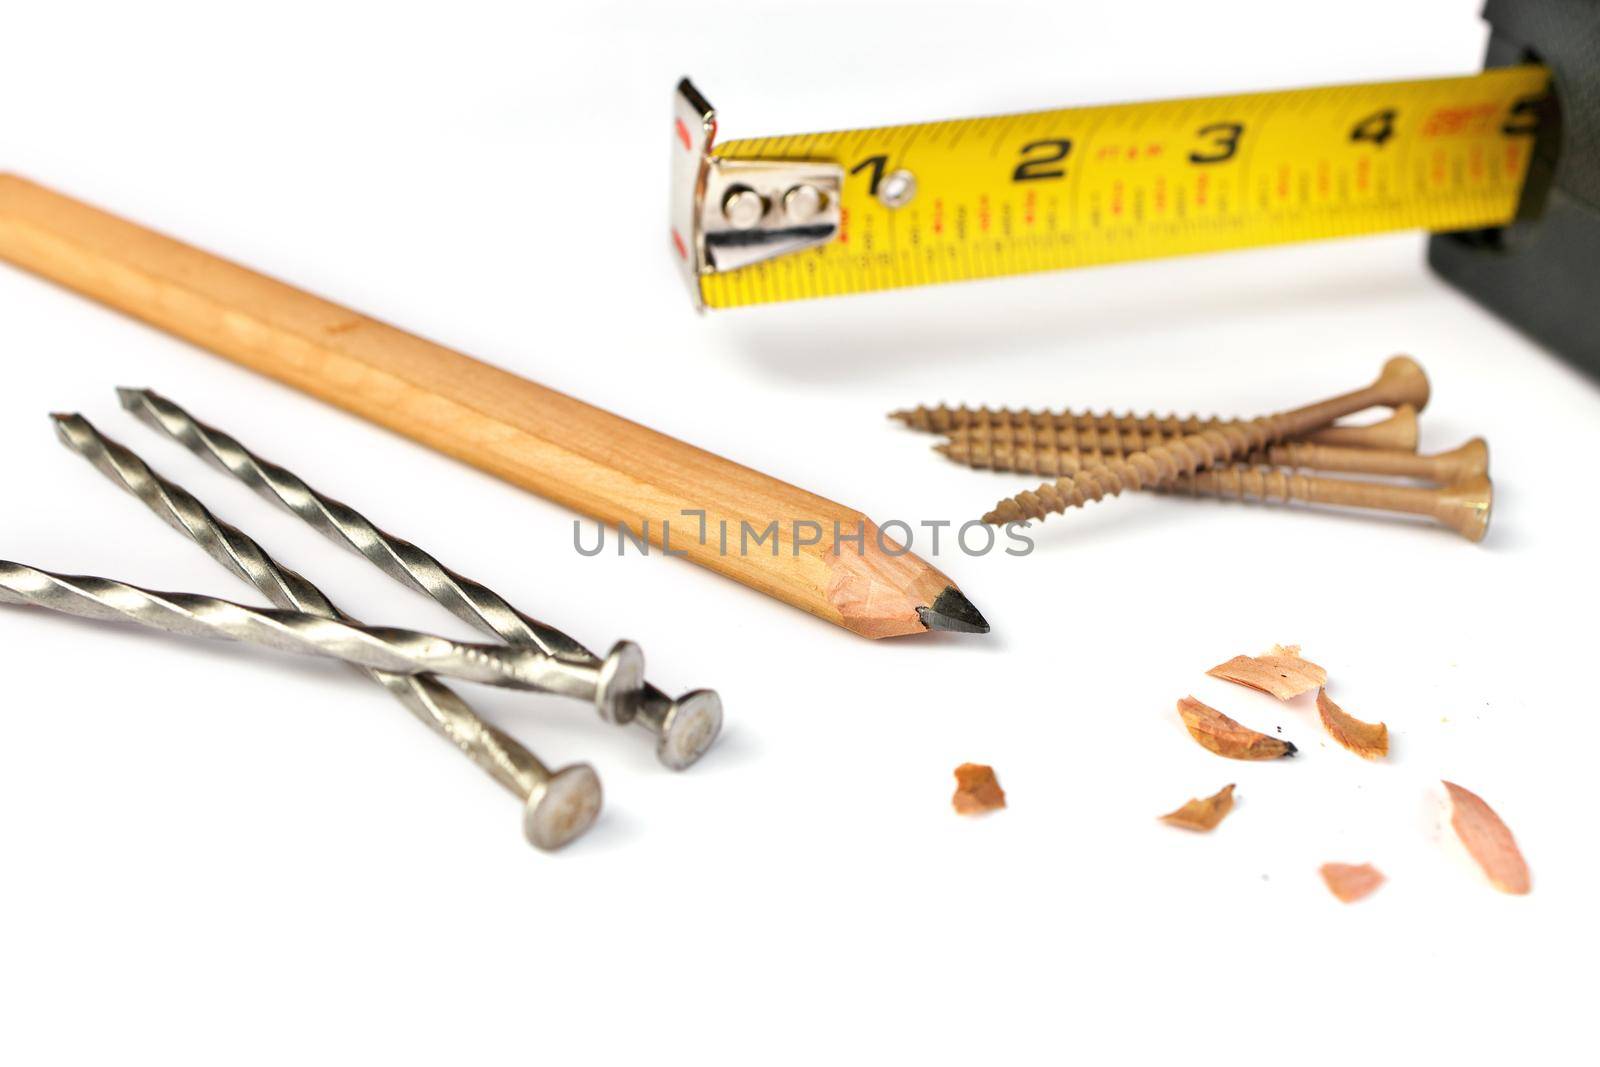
[217, 855]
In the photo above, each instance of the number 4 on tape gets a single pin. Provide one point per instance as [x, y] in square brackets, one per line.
[787, 218]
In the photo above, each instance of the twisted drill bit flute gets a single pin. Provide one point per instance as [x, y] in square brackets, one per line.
[684, 728]
[559, 805]
[381, 648]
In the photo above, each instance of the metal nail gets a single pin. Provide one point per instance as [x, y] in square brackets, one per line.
[683, 728]
[559, 806]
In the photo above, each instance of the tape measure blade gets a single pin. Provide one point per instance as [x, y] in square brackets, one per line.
[1048, 190]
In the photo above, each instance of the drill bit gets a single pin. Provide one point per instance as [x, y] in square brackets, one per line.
[684, 728]
[381, 648]
[559, 805]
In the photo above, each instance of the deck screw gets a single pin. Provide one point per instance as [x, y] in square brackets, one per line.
[1464, 508]
[1398, 431]
[1043, 457]
[1401, 382]
[1441, 468]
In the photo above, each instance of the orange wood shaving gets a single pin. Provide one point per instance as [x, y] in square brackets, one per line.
[1280, 671]
[1203, 815]
[1225, 737]
[1488, 841]
[977, 791]
[1367, 740]
[1350, 882]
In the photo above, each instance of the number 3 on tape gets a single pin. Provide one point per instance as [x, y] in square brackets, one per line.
[787, 218]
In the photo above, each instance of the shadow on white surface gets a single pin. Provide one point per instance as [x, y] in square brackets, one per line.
[844, 339]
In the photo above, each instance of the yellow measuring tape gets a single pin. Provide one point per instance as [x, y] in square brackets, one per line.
[978, 198]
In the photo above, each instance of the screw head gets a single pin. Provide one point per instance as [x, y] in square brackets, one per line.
[562, 809]
[743, 207]
[1403, 380]
[1465, 508]
[616, 696]
[690, 729]
[1468, 461]
[897, 188]
[803, 203]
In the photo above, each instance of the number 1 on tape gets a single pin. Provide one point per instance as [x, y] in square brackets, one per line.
[787, 218]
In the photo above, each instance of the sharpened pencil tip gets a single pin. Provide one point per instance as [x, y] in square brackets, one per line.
[953, 611]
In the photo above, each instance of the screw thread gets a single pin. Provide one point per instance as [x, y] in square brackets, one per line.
[1401, 381]
[1001, 455]
[1031, 453]
[1246, 484]
[941, 418]
[1157, 465]
[1114, 438]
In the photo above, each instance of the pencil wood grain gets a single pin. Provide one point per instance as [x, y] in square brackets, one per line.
[587, 459]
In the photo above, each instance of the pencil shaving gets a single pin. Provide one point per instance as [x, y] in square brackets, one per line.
[1203, 815]
[1220, 734]
[1280, 671]
[1488, 841]
[977, 790]
[1366, 739]
[1351, 881]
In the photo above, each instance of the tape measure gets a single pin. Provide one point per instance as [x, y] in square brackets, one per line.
[789, 218]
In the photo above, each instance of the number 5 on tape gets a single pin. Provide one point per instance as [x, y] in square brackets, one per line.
[786, 218]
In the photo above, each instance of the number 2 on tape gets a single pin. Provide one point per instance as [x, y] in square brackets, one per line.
[976, 198]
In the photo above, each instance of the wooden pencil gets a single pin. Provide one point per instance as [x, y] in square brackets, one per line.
[590, 460]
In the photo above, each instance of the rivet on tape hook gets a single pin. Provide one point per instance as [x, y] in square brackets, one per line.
[729, 213]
